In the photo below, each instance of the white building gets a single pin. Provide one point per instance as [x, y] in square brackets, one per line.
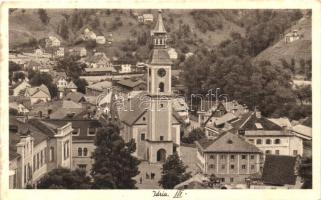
[172, 54]
[100, 39]
[125, 68]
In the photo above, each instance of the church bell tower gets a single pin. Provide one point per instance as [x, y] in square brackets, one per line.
[160, 137]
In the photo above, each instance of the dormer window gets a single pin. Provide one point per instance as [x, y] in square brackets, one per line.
[229, 141]
[258, 126]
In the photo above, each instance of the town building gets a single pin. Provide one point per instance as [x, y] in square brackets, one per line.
[292, 36]
[89, 35]
[98, 88]
[60, 52]
[125, 68]
[38, 93]
[76, 97]
[36, 148]
[271, 137]
[172, 54]
[83, 141]
[52, 41]
[125, 86]
[19, 88]
[100, 39]
[99, 60]
[229, 157]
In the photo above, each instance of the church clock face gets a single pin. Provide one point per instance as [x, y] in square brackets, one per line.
[161, 72]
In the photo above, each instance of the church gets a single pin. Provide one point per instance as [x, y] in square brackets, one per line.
[148, 117]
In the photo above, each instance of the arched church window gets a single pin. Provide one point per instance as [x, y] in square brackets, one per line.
[161, 87]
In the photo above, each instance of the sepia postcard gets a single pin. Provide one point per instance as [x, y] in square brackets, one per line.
[160, 99]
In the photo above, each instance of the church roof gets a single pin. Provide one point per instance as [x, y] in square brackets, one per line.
[159, 28]
[160, 57]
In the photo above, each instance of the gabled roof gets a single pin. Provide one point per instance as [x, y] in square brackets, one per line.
[266, 124]
[71, 85]
[100, 86]
[159, 28]
[228, 142]
[98, 57]
[74, 96]
[19, 83]
[279, 170]
[303, 130]
[34, 90]
[130, 83]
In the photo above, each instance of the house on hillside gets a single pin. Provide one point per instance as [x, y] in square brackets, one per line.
[98, 88]
[100, 39]
[39, 52]
[99, 60]
[148, 18]
[38, 93]
[35, 148]
[172, 54]
[60, 52]
[78, 51]
[292, 36]
[125, 68]
[229, 157]
[19, 88]
[52, 41]
[271, 137]
[89, 35]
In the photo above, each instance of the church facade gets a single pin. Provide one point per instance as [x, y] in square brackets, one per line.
[149, 118]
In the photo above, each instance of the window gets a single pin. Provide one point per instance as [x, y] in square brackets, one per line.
[252, 166]
[232, 166]
[75, 131]
[211, 156]
[267, 141]
[91, 131]
[251, 141]
[223, 157]
[267, 152]
[85, 151]
[277, 141]
[38, 163]
[162, 105]
[277, 152]
[82, 167]
[51, 154]
[223, 180]
[41, 158]
[211, 166]
[161, 87]
[231, 180]
[232, 157]
[79, 151]
[243, 157]
[161, 138]
[34, 163]
[223, 167]
[243, 166]
[252, 157]
[258, 141]
[142, 136]
[295, 152]
[144, 118]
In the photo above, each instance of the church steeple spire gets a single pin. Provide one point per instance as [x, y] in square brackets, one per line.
[159, 32]
[159, 28]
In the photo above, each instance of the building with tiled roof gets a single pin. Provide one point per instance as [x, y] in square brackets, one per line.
[19, 88]
[83, 136]
[36, 147]
[98, 88]
[38, 93]
[229, 157]
[271, 136]
[99, 60]
[125, 86]
[76, 97]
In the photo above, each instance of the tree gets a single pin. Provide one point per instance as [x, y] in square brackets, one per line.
[81, 85]
[63, 178]
[18, 76]
[194, 135]
[43, 16]
[173, 172]
[38, 78]
[114, 166]
[63, 30]
[71, 66]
